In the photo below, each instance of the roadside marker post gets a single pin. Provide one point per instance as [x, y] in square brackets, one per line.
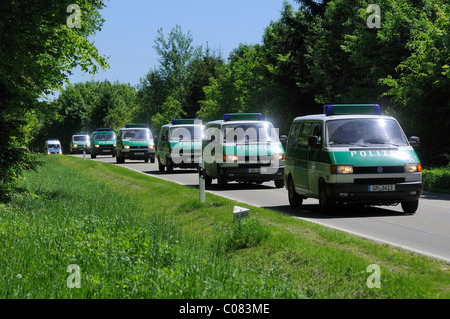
[240, 213]
[201, 179]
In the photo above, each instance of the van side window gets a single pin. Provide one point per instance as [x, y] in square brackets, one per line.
[318, 131]
[293, 135]
[305, 133]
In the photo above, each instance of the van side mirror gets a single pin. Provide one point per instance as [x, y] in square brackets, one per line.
[313, 142]
[414, 141]
[283, 139]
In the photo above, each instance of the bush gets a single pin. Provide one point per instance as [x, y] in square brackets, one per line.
[436, 180]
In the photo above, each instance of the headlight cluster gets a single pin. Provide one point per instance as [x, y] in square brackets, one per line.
[341, 169]
[413, 168]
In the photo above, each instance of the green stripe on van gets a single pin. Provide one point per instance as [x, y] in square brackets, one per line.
[374, 157]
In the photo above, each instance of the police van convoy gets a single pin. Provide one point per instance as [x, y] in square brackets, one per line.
[79, 143]
[135, 141]
[103, 142]
[180, 144]
[352, 154]
[244, 148]
[52, 146]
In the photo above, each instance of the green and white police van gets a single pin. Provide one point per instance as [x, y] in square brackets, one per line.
[80, 142]
[103, 142]
[180, 144]
[352, 154]
[135, 142]
[243, 148]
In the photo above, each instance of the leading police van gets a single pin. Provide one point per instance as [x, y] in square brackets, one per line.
[244, 148]
[352, 154]
[180, 144]
[135, 142]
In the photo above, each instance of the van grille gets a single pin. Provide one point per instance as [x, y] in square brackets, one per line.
[374, 169]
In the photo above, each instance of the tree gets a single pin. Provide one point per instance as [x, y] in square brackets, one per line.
[38, 52]
[176, 52]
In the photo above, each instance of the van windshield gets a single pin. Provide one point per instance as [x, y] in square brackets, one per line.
[365, 132]
[105, 136]
[186, 133]
[249, 132]
[80, 138]
[137, 134]
[53, 146]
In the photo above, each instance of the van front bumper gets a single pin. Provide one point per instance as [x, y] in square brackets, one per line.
[359, 193]
[262, 174]
[139, 154]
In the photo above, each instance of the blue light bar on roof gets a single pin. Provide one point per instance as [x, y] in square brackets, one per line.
[140, 125]
[186, 121]
[242, 116]
[365, 109]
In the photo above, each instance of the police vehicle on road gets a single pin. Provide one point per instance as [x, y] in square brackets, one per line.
[80, 142]
[135, 142]
[103, 142]
[243, 148]
[52, 146]
[180, 144]
[352, 154]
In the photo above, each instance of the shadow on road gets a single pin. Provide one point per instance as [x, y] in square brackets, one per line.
[343, 211]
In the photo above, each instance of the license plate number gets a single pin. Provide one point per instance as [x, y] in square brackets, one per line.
[381, 188]
[139, 153]
[261, 170]
[105, 151]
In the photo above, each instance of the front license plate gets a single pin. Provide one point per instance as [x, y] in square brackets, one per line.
[105, 151]
[138, 153]
[381, 188]
[253, 170]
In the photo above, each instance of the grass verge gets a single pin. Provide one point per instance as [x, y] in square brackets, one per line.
[134, 236]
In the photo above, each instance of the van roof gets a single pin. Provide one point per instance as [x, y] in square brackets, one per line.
[343, 116]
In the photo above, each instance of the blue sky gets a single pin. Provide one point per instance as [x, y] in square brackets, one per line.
[131, 26]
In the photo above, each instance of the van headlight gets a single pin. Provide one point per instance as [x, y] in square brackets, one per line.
[413, 168]
[341, 169]
[127, 147]
[279, 157]
[230, 158]
[96, 145]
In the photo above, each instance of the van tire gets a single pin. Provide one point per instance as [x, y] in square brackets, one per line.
[169, 165]
[221, 180]
[325, 204]
[410, 208]
[161, 167]
[279, 183]
[295, 200]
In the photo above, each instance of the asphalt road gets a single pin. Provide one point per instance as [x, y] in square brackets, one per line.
[427, 232]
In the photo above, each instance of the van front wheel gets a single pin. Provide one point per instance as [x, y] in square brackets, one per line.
[295, 200]
[409, 208]
[325, 204]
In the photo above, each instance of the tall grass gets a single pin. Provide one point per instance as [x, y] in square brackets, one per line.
[67, 218]
[134, 236]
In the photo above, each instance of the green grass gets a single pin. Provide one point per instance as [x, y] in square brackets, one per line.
[134, 236]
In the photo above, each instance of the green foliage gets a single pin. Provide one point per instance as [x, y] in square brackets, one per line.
[41, 52]
[436, 180]
[85, 107]
[242, 234]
